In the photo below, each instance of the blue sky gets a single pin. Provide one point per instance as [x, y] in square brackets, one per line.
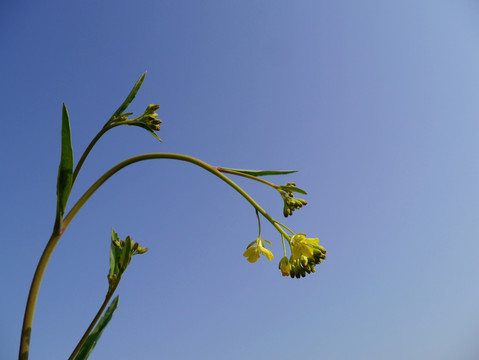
[374, 102]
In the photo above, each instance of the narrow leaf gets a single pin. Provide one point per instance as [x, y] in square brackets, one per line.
[65, 170]
[114, 254]
[125, 256]
[293, 189]
[148, 129]
[262, 172]
[93, 338]
[130, 96]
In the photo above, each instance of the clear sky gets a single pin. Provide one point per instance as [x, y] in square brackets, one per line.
[375, 102]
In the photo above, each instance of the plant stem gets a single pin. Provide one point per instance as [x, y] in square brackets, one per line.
[251, 177]
[42, 264]
[89, 147]
[95, 320]
[212, 169]
[33, 295]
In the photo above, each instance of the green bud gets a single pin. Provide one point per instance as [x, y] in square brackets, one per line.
[150, 109]
[141, 250]
[303, 260]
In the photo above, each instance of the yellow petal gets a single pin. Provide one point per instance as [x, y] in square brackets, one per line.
[312, 241]
[307, 250]
[252, 254]
[296, 252]
[269, 254]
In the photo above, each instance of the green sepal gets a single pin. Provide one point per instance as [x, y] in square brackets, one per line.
[65, 169]
[130, 97]
[269, 242]
[147, 129]
[94, 336]
[251, 244]
[262, 172]
[292, 189]
[115, 253]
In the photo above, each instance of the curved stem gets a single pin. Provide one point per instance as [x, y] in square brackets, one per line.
[89, 147]
[33, 295]
[259, 225]
[37, 277]
[74, 210]
[94, 321]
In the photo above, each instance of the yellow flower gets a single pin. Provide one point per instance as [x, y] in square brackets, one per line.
[303, 245]
[253, 252]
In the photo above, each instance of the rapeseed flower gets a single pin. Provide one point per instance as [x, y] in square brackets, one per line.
[301, 245]
[253, 252]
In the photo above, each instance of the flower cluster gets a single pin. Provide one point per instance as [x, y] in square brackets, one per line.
[120, 256]
[290, 202]
[148, 120]
[150, 117]
[306, 254]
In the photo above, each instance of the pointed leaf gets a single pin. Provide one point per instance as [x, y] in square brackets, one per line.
[114, 254]
[65, 170]
[130, 96]
[262, 172]
[148, 129]
[94, 336]
[293, 189]
[125, 256]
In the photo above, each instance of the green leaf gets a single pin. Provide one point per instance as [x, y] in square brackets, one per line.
[130, 96]
[147, 129]
[262, 172]
[293, 189]
[114, 254]
[65, 170]
[125, 256]
[93, 338]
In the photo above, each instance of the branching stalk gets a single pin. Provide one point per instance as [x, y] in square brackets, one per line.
[54, 239]
[251, 177]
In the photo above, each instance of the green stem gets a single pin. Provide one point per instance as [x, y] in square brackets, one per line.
[33, 295]
[284, 246]
[287, 228]
[74, 210]
[37, 277]
[251, 177]
[259, 225]
[95, 320]
[89, 147]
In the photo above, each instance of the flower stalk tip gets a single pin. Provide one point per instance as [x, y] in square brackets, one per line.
[291, 203]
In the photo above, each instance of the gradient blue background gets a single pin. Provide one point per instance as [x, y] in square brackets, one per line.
[376, 103]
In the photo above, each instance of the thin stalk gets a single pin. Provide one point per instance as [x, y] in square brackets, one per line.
[43, 262]
[251, 177]
[95, 320]
[287, 228]
[259, 225]
[89, 147]
[74, 210]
